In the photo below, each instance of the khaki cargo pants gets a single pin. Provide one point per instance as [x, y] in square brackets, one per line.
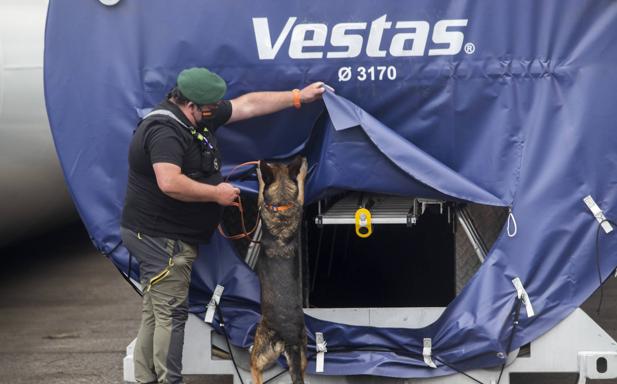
[165, 273]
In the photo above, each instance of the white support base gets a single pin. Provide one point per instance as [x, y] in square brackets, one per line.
[127, 363]
[577, 344]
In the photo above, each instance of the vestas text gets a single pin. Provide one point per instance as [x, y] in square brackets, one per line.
[308, 41]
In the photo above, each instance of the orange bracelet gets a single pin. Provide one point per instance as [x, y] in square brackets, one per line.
[297, 103]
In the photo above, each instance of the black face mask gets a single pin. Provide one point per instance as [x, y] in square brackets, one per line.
[208, 114]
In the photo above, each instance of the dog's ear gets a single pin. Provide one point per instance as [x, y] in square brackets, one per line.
[294, 167]
[265, 174]
[300, 167]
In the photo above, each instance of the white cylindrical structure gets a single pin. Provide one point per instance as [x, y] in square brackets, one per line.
[33, 195]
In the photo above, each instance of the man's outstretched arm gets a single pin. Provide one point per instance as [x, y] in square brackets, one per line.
[262, 103]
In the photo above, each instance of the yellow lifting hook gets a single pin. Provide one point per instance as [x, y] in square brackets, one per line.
[364, 228]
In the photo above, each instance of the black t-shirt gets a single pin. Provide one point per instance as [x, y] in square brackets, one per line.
[162, 139]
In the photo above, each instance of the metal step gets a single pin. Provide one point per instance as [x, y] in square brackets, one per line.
[384, 209]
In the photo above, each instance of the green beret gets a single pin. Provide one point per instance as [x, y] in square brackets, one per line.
[201, 86]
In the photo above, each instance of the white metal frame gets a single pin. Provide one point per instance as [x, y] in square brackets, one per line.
[576, 345]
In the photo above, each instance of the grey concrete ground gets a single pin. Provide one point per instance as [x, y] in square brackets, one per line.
[66, 315]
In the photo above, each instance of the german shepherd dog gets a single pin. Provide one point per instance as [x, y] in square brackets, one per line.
[281, 329]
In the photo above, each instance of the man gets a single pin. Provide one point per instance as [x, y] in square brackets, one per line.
[174, 201]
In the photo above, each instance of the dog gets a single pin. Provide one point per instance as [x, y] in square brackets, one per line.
[281, 329]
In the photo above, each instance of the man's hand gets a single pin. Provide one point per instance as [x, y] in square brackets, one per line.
[312, 92]
[227, 194]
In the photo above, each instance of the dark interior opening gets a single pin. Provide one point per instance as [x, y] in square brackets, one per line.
[397, 266]
[426, 264]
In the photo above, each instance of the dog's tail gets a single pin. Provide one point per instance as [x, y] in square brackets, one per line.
[296, 360]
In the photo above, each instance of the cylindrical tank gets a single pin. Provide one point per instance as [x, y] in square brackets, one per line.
[33, 195]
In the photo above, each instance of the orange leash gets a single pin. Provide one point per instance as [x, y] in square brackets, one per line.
[244, 232]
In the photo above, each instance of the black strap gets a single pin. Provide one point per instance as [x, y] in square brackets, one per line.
[222, 325]
[200, 137]
[597, 249]
[517, 314]
[126, 277]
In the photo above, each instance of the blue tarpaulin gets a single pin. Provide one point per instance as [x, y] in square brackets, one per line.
[501, 103]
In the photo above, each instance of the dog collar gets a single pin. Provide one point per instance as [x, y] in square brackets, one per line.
[277, 208]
